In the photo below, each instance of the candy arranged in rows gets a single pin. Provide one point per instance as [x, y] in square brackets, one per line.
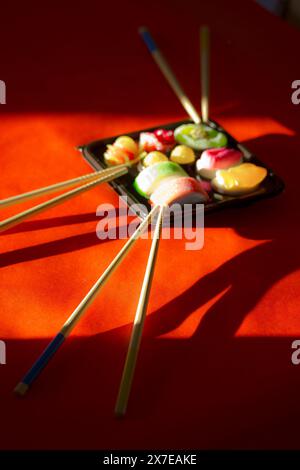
[166, 159]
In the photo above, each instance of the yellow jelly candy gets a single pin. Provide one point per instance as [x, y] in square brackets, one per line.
[239, 179]
[183, 155]
[154, 157]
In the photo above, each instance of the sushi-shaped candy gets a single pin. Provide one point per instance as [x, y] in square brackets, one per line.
[217, 159]
[123, 150]
[154, 157]
[185, 190]
[241, 179]
[199, 136]
[147, 181]
[161, 140]
[183, 155]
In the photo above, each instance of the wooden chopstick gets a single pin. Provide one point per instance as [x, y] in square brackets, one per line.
[137, 330]
[74, 318]
[169, 75]
[18, 218]
[64, 184]
[54, 187]
[204, 58]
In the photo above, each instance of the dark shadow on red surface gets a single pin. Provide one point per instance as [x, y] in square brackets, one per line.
[47, 249]
[61, 221]
[52, 248]
[51, 222]
[78, 69]
[204, 394]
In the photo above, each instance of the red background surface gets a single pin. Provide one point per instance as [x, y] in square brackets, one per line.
[215, 365]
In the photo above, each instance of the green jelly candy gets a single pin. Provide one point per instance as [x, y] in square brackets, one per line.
[199, 136]
[148, 180]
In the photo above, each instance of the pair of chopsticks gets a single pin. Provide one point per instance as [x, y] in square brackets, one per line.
[172, 80]
[74, 318]
[94, 179]
[137, 330]
[102, 176]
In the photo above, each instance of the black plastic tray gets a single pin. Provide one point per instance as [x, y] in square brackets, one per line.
[272, 185]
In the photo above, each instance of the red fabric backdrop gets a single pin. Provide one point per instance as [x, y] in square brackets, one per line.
[215, 365]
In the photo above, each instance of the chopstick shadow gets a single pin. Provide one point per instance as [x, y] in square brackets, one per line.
[48, 249]
[50, 223]
[239, 284]
[64, 245]
[53, 248]
[61, 221]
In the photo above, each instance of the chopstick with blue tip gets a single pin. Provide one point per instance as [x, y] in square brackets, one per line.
[71, 322]
[169, 75]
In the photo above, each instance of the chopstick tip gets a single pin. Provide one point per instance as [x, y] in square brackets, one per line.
[142, 29]
[119, 414]
[21, 389]
[204, 30]
[120, 408]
